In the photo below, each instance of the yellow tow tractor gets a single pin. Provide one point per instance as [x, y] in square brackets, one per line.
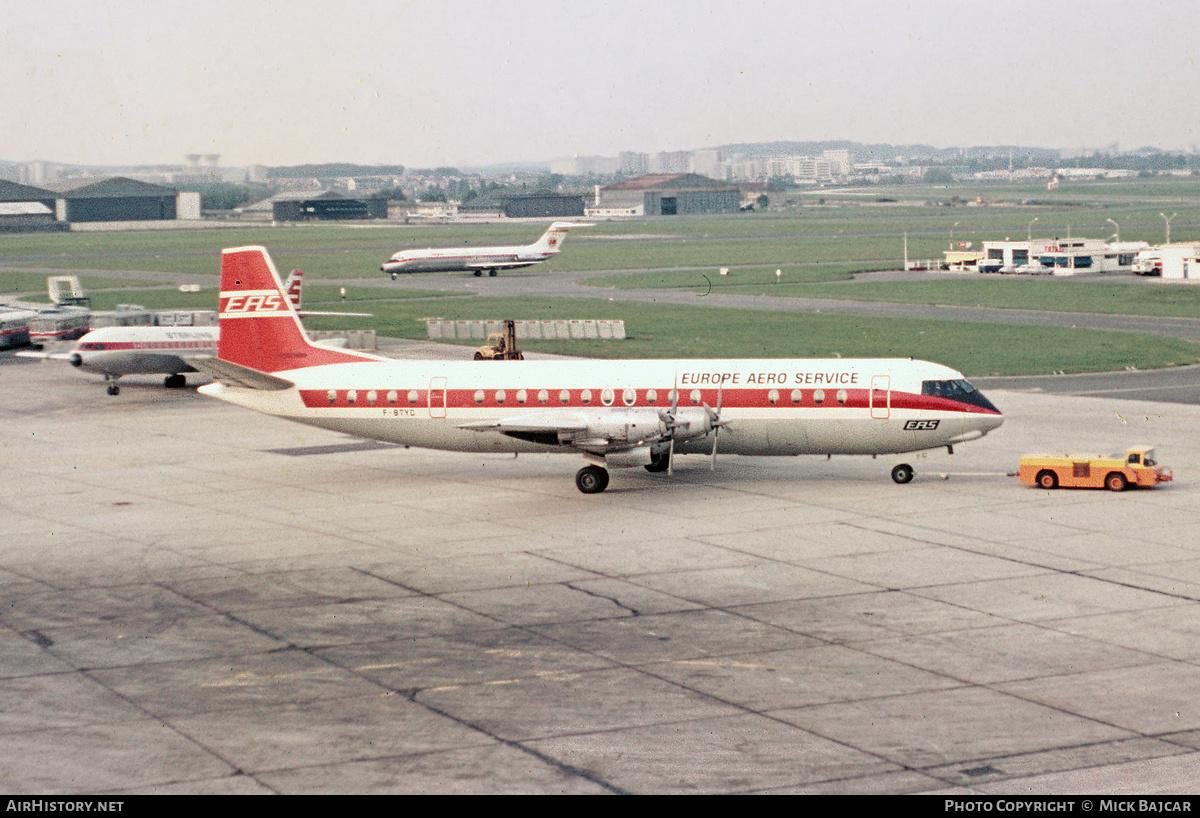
[501, 346]
[1137, 467]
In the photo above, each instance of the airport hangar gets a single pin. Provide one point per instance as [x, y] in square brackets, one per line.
[23, 207]
[668, 194]
[296, 206]
[524, 204]
[113, 199]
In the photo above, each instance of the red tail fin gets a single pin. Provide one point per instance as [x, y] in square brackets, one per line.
[259, 326]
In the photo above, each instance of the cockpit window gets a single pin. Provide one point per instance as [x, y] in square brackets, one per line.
[957, 390]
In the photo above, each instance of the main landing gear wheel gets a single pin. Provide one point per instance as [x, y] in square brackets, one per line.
[902, 473]
[113, 389]
[175, 381]
[591, 479]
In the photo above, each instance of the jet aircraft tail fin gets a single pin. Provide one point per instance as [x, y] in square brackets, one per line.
[552, 240]
[259, 326]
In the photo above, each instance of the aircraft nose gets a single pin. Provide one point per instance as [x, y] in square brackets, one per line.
[76, 359]
[986, 423]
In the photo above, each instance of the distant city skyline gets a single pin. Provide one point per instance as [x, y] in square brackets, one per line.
[478, 84]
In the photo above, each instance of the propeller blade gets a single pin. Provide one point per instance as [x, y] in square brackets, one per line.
[674, 424]
[716, 423]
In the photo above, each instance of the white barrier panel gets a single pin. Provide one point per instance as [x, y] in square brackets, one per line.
[577, 329]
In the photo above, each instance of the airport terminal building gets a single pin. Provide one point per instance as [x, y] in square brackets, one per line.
[1060, 257]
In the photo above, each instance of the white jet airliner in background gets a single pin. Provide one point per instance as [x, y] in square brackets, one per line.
[117, 351]
[478, 259]
[616, 414]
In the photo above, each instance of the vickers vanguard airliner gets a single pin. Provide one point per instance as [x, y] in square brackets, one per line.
[616, 414]
[478, 259]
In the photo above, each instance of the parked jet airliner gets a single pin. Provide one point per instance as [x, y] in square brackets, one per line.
[117, 351]
[616, 414]
[478, 259]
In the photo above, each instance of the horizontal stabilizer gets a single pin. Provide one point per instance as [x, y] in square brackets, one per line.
[231, 374]
[307, 313]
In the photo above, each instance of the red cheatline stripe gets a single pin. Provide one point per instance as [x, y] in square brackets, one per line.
[729, 399]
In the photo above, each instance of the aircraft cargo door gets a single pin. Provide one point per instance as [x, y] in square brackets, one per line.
[881, 396]
[437, 397]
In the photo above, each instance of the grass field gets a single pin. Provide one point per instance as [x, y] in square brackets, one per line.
[817, 245]
[669, 331]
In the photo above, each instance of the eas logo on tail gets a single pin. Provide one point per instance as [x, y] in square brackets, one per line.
[252, 303]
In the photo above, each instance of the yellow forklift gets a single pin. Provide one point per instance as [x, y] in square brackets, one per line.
[501, 346]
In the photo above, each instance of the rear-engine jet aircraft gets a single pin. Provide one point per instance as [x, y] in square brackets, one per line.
[616, 414]
[478, 259]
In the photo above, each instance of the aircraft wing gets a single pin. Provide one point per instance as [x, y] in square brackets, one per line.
[501, 265]
[601, 430]
[234, 375]
[538, 422]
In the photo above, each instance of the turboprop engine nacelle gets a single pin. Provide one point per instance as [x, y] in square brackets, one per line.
[621, 426]
[687, 423]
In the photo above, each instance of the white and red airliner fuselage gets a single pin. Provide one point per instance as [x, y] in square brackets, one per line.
[614, 413]
[142, 350]
[478, 259]
[771, 407]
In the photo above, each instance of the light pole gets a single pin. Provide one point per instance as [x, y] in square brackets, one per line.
[1114, 224]
[1168, 221]
[1029, 230]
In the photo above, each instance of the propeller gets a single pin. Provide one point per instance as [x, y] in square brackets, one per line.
[715, 423]
[671, 423]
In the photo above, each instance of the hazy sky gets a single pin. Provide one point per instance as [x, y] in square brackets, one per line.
[473, 83]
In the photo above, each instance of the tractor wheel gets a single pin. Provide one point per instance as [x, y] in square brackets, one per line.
[1047, 479]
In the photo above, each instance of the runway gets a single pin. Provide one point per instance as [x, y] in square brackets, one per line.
[199, 599]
